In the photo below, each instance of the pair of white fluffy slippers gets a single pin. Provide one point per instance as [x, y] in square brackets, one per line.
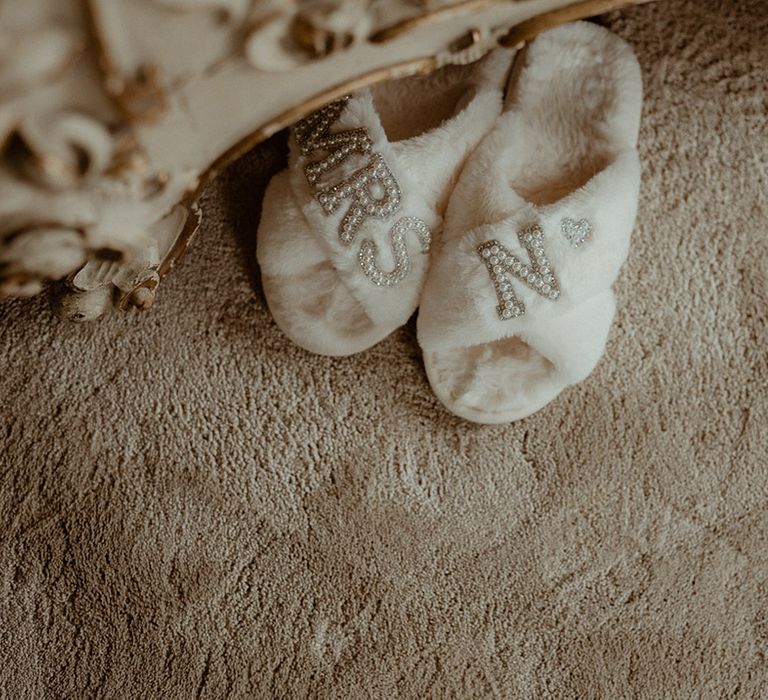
[504, 218]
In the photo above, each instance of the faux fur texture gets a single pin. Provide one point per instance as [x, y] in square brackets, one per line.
[314, 284]
[191, 506]
[564, 148]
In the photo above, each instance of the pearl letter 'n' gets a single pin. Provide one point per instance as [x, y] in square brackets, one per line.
[503, 265]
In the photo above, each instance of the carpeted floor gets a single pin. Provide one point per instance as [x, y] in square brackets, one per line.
[191, 507]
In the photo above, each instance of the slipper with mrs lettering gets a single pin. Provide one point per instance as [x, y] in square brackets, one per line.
[347, 230]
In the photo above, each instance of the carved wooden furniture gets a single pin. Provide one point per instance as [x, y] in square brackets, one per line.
[114, 114]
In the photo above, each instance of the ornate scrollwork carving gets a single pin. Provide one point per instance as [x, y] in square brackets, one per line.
[115, 112]
[75, 185]
[44, 153]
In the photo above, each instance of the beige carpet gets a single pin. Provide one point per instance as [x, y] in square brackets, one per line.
[191, 507]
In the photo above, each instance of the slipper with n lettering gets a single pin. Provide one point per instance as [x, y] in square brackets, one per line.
[347, 230]
[518, 302]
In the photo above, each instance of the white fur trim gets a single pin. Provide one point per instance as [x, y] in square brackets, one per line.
[575, 109]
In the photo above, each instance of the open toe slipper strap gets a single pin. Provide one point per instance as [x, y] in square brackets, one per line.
[543, 275]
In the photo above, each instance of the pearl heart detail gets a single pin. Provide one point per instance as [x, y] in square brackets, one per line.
[576, 231]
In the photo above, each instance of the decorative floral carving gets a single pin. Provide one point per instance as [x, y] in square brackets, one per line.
[36, 151]
[72, 187]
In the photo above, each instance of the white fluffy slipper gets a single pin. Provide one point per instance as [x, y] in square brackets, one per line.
[518, 302]
[346, 231]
